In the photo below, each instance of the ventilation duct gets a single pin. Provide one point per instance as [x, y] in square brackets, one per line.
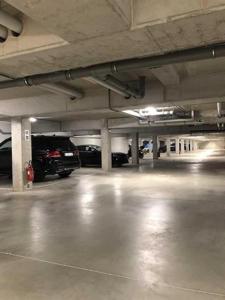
[3, 34]
[180, 56]
[60, 88]
[13, 24]
[119, 87]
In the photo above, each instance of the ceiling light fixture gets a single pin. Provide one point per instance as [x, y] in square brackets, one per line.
[32, 119]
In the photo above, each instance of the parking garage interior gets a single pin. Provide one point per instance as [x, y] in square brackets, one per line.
[133, 90]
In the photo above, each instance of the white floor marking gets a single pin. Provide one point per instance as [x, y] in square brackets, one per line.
[111, 274]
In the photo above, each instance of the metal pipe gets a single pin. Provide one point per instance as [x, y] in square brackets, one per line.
[195, 54]
[219, 109]
[13, 24]
[57, 88]
[3, 34]
[60, 88]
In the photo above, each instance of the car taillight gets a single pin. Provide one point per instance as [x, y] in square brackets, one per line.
[76, 152]
[54, 154]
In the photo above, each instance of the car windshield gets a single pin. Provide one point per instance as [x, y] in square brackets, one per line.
[6, 145]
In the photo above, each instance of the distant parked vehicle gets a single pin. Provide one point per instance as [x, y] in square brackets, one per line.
[90, 155]
[50, 155]
[141, 152]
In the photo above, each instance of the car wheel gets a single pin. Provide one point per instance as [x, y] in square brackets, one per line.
[65, 174]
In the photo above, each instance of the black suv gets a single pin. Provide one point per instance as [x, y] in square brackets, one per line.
[50, 155]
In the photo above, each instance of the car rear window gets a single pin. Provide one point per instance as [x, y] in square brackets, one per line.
[62, 143]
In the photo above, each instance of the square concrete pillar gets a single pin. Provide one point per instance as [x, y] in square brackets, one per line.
[155, 146]
[195, 145]
[21, 152]
[182, 150]
[177, 145]
[168, 147]
[191, 145]
[106, 147]
[135, 148]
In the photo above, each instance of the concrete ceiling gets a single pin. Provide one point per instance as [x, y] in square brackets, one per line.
[105, 30]
[59, 35]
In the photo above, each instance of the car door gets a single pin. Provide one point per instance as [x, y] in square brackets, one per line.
[91, 155]
[6, 157]
[98, 156]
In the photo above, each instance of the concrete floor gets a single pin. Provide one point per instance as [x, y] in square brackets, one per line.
[153, 232]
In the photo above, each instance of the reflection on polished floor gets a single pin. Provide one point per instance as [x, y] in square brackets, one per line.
[151, 232]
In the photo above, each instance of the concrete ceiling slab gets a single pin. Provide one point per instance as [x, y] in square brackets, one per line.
[167, 75]
[61, 35]
[189, 32]
[161, 11]
[21, 92]
[117, 46]
[34, 38]
[206, 67]
[77, 20]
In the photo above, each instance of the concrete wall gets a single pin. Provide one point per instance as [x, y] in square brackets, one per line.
[42, 126]
[38, 127]
[217, 144]
[119, 144]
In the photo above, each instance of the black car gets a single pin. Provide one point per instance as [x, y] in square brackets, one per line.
[50, 155]
[90, 155]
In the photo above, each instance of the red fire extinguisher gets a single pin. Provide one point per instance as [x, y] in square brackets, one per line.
[29, 172]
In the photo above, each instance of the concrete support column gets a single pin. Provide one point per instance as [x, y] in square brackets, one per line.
[106, 147]
[195, 145]
[155, 146]
[191, 145]
[182, 146]
[135, 148]
[168, 147]
[177, 146]
[21, 152]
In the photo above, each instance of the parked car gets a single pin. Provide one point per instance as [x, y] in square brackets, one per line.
[141, 152]
[91, 155]
[50, 155]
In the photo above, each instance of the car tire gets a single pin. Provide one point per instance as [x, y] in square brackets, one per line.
[65, 174]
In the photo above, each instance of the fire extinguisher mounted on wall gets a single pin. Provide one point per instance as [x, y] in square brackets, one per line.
[29, 172]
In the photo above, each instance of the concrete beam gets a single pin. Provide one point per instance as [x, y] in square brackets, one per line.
[191, 90]
[165, 130]
[167, 75]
